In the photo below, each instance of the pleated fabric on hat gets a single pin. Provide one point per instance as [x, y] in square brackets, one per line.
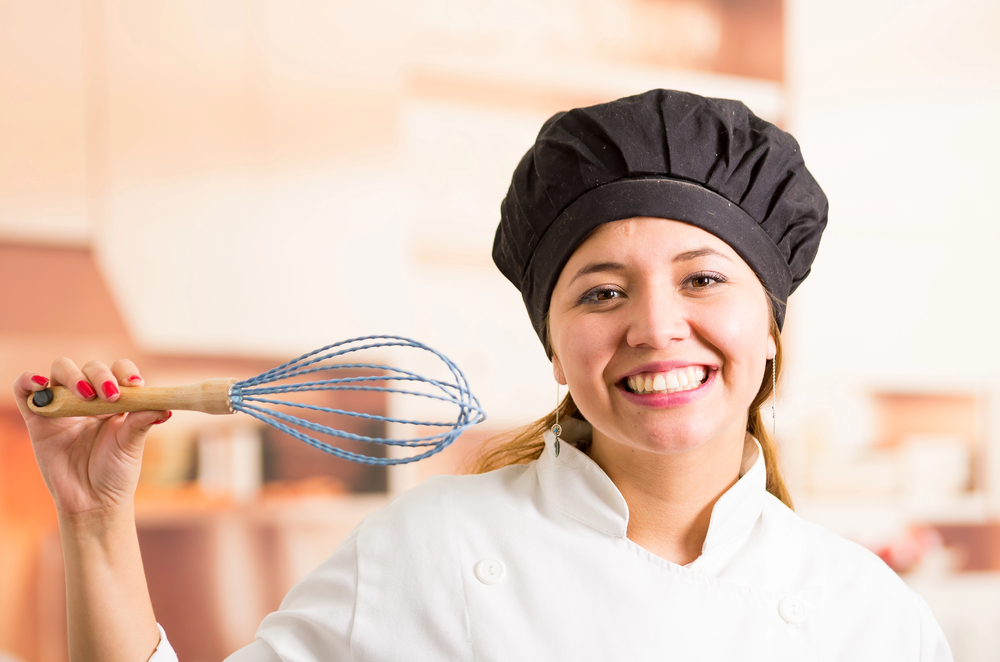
[708, 162]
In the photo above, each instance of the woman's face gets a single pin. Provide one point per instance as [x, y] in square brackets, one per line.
[661, 332]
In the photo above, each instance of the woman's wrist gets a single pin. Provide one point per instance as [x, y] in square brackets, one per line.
[98, 524]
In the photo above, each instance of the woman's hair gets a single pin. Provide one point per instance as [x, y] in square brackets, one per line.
[524, 444]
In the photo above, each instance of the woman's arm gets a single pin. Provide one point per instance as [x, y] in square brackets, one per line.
[110, 616]
[91, 467]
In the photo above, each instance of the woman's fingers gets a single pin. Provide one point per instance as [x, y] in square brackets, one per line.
[29, 382]
[132, 433]
[95, 379]
[26, 384]
[126, 373]
[67, 373]
[103, 380]
[139, 422]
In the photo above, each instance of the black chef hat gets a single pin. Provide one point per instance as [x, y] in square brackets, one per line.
[708, 162]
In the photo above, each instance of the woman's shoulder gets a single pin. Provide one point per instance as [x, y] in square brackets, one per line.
[846, 566]
[868, 606]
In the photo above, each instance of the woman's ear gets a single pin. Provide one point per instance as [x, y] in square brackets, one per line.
[772, 347]
[557, 370]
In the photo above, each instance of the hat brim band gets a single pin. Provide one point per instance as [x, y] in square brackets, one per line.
[658, 197]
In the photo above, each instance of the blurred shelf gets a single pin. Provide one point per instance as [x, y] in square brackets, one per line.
[187, 505]
[882, 523]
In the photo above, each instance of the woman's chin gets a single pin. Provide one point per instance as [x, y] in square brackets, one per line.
[672, 440]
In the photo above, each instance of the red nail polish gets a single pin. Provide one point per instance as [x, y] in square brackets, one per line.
[134, 378]
[85, 389]
[110, 389]
[41, 381]
[164, 419]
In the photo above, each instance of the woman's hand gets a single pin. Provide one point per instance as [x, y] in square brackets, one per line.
[90, 464]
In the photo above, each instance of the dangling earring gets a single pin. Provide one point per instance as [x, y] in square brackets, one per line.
[774, 396]
[557, 429]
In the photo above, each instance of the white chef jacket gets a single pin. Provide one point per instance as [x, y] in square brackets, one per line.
[532, 562]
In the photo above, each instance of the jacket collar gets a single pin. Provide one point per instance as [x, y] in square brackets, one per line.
[576, 485]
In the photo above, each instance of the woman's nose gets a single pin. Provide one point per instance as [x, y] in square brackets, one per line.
[657, 321]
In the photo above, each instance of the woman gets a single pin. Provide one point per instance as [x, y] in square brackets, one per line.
[655, 240]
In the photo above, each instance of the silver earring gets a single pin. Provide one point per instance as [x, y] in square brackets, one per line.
[557, 429]
[774, 395]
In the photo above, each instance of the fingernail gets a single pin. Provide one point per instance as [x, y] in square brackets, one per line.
[135, 378]
[164, 419]
[41, 381]
[85, 389]
[110, 389]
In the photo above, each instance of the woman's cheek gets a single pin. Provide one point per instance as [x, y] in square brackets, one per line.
[739, 333]
[741, 326]
[582, 365]
[586, 355]
[727, 330]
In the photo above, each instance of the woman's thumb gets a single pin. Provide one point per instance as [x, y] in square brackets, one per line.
[137, 424]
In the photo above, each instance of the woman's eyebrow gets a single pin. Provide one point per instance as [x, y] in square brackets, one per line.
[598, 267]
[698, 252]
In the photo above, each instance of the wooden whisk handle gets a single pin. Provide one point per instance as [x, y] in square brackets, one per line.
[210, 396]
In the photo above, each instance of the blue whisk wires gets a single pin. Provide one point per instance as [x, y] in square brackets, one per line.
[256, 396]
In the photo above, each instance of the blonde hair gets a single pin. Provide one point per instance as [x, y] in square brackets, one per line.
[524, 444]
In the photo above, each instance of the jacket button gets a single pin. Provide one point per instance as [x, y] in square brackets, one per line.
[489, 571]
[792, 610]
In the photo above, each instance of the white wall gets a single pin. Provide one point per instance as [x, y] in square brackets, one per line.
[895, 104]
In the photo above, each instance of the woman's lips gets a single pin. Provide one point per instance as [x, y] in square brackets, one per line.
[667, 381]
[669, 398]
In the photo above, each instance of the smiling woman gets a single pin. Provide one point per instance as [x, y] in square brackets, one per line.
[676, 309]
[668, 316]
[655, 241]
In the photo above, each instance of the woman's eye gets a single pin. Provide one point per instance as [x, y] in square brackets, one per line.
[601, 294]
[704, 280]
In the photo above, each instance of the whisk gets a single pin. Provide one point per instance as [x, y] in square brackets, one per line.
[258, 395]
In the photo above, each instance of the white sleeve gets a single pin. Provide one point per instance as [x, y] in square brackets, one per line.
[313, 623]
[258, 651]
[933, 646]
[164, 652]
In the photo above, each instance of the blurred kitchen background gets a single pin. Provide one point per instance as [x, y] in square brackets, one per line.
[212, 188]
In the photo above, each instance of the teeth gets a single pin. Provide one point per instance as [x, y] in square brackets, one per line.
[672, 381]
[683, 379]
